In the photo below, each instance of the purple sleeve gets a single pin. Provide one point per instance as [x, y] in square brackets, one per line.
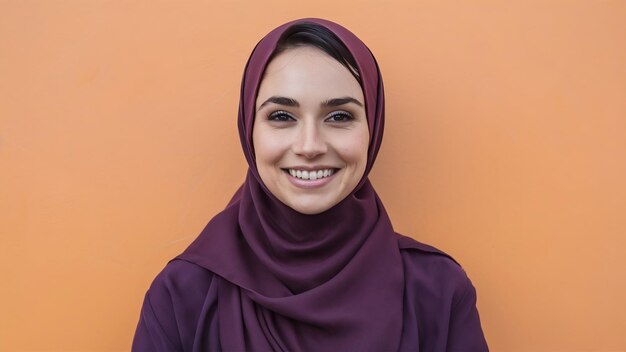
[179, 311]
[440, 305]
[150, 334]
[465, 332]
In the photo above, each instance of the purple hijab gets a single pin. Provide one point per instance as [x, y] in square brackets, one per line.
[326, 282]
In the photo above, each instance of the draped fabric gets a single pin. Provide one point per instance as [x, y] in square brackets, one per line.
[285, 281]
[330, 281]
[182, 311]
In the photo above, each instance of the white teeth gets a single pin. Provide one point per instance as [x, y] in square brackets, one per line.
[310, 175]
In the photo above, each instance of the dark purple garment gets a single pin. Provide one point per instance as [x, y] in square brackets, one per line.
[180, 310]
[263, 277]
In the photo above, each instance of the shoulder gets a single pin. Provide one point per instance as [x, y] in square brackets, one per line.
[441, 298]
[180, 295]
[410, 245]
[179, 286]
[431, 269]
[178, 298]
[180, 278]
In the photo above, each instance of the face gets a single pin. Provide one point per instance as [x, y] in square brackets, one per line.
[310, 132]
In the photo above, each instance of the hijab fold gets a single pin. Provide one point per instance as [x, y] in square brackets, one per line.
[297, 282]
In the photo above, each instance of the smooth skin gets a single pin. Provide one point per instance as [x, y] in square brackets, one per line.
[310, 115]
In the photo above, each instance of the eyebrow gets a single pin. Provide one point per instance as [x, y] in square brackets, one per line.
[340, 101]
[294, 103]
[280, 101]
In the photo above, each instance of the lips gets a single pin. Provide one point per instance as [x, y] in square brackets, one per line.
[311, 178]
[311, 174]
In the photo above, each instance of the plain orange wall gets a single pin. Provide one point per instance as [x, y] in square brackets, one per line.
[505, 146]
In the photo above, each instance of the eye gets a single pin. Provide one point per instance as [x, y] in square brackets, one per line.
[340, 116]
[280, 116]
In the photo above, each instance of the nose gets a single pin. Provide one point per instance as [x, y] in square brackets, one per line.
[310, 141]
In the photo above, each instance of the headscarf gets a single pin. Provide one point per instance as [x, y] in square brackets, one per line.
[331, 281]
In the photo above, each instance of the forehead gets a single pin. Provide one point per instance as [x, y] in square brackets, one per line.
[307, 73]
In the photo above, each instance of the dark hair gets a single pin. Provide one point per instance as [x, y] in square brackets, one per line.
[313, 34]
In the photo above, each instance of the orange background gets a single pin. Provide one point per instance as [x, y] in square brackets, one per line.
[505, 146]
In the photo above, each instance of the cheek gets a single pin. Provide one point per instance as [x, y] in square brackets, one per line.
[267, 148]
[354, 149]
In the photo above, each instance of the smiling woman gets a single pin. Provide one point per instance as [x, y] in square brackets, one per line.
[304, 257]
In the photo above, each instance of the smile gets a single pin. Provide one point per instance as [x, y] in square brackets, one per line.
[310, 174]
[310, 178]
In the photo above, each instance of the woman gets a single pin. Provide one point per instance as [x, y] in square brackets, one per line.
[304, 257]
